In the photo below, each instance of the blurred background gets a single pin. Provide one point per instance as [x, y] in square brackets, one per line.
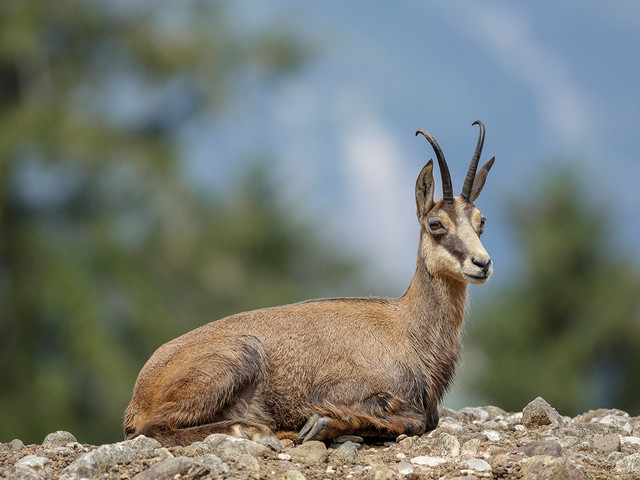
[164, 164]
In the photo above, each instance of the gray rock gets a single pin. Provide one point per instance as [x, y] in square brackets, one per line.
[228, 447]
[33, 461]
[446, 412]
[539, 412]
[568, 441]
[449, 445]
[348, 438]
[545, 467]
[98, 461]
[476, 413]
[607, 443]
[142, 444]
[14, 445]
[162, 453]
[172, 468]
[629, 464]
[310, 452]
[615, 456]
[196, 449]
[541, 447]
[294, 475]
[24, 472]
[248, 465]
[616, 424]
[345, 453]
[408, 442]
[491, 425]
[455, 427]
[58, 439]
[590, 428]
[381, 472]
[215, 464]
[470, 447]
[495, 412]
[374, 459]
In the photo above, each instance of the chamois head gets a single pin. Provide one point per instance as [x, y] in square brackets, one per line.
[451, 227]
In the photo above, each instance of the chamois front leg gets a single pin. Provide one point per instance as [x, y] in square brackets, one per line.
[381, 415]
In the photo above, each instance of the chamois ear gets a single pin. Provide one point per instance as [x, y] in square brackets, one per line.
[481, 177]
[424, 190]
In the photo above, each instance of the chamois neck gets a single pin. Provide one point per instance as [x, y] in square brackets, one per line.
[435, 298]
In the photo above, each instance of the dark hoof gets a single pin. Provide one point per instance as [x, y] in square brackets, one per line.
[313, 429]
[271, 442]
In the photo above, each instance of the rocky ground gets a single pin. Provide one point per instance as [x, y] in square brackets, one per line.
[478, 442]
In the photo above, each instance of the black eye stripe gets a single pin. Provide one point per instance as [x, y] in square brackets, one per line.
[455, 246]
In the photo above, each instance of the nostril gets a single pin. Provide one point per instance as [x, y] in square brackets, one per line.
[483, 264]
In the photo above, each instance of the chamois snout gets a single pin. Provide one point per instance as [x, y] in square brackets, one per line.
[478, 269]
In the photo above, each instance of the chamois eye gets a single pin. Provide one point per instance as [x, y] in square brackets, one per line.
[436, 225]
[481, 227]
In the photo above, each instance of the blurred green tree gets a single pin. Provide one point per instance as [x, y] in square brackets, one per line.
[568, 327]
[105, 253]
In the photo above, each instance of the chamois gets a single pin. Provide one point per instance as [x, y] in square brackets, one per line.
[323, 368]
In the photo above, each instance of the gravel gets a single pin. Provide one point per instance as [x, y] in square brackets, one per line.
[473, 443]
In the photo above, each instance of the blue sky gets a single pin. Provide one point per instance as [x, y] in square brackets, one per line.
[554, 82]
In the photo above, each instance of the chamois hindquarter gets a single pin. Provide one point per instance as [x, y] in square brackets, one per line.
[323, 368]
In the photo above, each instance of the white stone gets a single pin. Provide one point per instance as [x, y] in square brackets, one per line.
[284, 456]
[401, 455]
[476, 464]
[450, 444]
[405, 468]
[428, 461]
[58, 439]
[492, 435]
[629, 464]
[630, 440]
[515, 418]
[617, 423]
[142, 443]
[454, 427]
[520, 428]
[470, 447]
[33, 461]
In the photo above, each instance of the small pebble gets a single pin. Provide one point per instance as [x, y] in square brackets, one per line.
[404, 468]
[476, 464]
[429, 461]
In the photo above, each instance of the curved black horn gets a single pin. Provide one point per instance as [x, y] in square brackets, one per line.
[447, 189]
[471, 173]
